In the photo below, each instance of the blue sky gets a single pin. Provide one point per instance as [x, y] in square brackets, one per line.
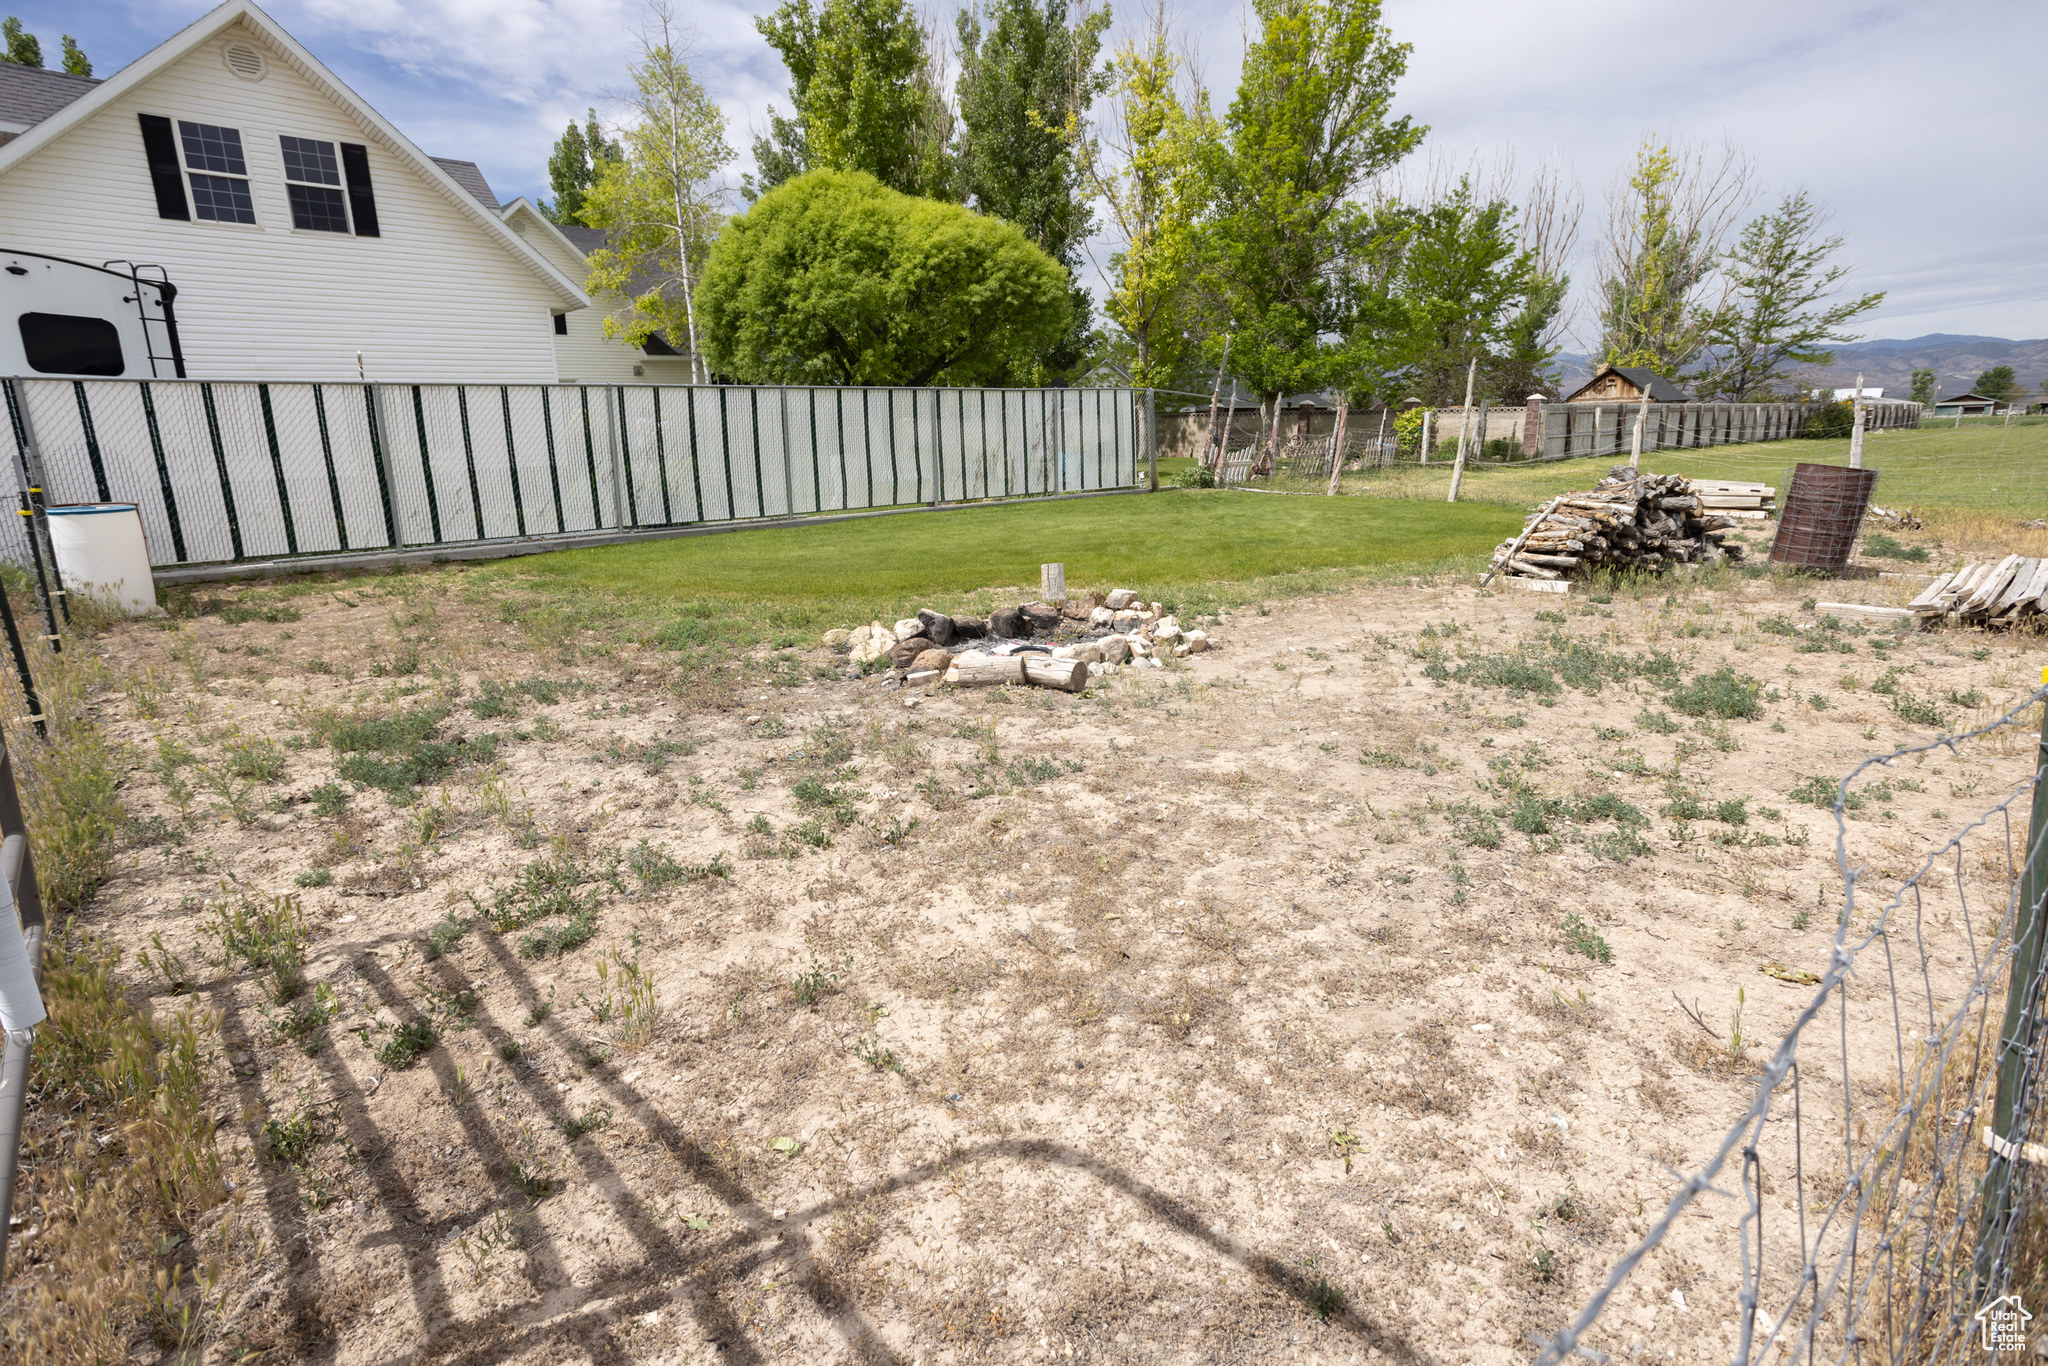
[1916, 125]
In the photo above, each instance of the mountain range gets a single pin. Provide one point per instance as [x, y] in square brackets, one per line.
[1889, 364]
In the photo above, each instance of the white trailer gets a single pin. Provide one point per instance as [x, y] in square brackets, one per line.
[67, 318]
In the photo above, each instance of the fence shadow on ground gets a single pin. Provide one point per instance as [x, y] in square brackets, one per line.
[705, 1263]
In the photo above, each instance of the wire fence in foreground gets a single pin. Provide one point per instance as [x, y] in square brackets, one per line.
[1887, 1181]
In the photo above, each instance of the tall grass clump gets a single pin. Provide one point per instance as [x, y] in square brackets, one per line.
[118, 1157]
[68, 780]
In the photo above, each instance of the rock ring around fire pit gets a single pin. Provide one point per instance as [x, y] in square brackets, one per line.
[1047, 645]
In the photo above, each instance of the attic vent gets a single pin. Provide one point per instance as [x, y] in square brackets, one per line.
[245, 61]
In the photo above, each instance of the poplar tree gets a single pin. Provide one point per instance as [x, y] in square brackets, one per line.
[1149, 168]
[660, 202]
[1311, 124]
[578, 157]
[868, 91]
[23, 49]
[1660, 301]
[1026, 80]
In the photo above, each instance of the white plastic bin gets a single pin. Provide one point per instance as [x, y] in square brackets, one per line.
[101, 554]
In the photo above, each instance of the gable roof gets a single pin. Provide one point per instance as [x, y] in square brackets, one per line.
[526, 209]
[287, 49]
[1661, 390]
[29, 94]
[1963, 398]
[584, 241]
[470, 177]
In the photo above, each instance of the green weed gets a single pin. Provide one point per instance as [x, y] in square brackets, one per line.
[1722, 694]
[269, 940]
[1579, 937]
[589, 1122]
[407, 1044]
[810, 985]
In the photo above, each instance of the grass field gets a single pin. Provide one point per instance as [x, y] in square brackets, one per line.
[1972, 485]
[1194, 549]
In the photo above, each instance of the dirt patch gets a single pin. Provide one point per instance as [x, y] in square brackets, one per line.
[783, 1018]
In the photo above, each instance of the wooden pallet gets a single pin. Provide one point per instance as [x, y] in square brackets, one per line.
[1733, 494]
[1994, 593]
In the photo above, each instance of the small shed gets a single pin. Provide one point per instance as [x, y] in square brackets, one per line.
[1614, 383]
[1965, 405]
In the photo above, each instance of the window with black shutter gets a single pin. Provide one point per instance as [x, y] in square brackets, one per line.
[312, 182]
[217, 172]
[362, 200]
[160, 148]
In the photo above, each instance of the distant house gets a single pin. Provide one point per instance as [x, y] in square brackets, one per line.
[1614, 383]
[1965, 405]
[583, 353]
[1844, 395]
[298, 226]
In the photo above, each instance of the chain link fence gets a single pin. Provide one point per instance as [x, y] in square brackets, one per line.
[233, 471]
[1887, 1181]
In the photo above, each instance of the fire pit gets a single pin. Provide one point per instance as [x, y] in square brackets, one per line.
[1060, 645]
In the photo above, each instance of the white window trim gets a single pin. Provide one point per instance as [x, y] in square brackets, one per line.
[339, 185]
[185, 163]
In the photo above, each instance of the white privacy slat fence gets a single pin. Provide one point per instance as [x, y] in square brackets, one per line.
[227, 471]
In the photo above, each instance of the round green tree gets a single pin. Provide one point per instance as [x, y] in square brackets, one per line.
[832, 278]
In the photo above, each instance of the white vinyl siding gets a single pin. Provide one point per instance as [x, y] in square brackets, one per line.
[585, 353]
[436, 297]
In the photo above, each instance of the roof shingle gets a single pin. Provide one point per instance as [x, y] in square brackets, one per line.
[29, 94]
[469, 177]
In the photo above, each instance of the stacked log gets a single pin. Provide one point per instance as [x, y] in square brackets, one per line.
[1629, 520]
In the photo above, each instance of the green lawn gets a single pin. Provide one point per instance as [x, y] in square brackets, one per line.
[1977, 468]
[1196, 550]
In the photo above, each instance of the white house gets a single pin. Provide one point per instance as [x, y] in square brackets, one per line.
[299, 227]
[582, 350]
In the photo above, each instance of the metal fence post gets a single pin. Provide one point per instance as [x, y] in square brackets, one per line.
[611, 432]
[284, 493]
[590, 457]
[1152, 441]
[25, 904]
[373, 400]
[92, 441]
[668, 516]
[2016, 1035]
[28, 682]
[696, 469]
[788, 474]
[622, 458]
[28, 468]
[938, 447]
[476, 493]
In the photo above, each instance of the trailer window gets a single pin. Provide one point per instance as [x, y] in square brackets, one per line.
[60, 344]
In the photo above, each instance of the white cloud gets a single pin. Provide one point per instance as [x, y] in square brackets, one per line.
[1912, 124]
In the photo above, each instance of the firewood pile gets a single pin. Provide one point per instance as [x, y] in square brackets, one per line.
[1993, 593]
[1629, 520]
[1060, 645]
